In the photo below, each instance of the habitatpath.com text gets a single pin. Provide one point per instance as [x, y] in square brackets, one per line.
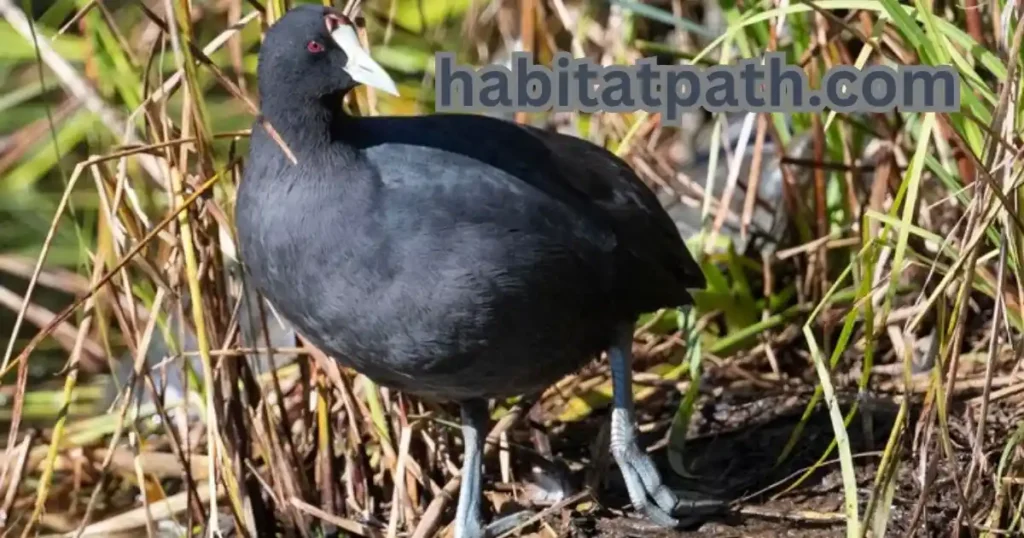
[766, 84]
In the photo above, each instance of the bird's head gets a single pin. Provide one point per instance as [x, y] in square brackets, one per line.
[313, 51]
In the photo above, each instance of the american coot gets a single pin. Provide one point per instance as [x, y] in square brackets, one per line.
[454, 257]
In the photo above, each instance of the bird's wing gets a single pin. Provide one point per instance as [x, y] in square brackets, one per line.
[639, 219]
[589, 179]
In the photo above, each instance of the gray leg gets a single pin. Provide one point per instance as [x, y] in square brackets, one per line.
[646, 491]
[467, 516]
[474, 430]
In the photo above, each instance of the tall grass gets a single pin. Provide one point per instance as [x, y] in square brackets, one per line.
[123, 130]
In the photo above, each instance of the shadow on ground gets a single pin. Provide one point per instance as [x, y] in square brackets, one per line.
[731, 455]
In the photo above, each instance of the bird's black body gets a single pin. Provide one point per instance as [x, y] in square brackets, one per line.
[456, 256]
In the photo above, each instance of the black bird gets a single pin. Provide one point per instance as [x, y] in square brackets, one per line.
[454, 257]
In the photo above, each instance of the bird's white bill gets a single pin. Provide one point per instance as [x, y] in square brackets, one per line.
[361, 66]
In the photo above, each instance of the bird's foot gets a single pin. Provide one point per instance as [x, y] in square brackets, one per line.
[643, 482]
[472, 528]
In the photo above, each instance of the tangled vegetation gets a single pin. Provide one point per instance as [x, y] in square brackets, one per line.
[853, 365]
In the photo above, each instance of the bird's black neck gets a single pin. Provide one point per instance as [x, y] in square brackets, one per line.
[305, 124]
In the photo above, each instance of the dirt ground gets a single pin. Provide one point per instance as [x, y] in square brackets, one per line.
[731, 455]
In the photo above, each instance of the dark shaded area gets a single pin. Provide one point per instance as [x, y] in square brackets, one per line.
[731, 455]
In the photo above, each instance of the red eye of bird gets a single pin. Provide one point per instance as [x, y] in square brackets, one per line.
[315, 47]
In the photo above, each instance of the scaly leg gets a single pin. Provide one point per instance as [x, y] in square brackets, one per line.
[468, 523]
[474, 428]
[646, 491]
